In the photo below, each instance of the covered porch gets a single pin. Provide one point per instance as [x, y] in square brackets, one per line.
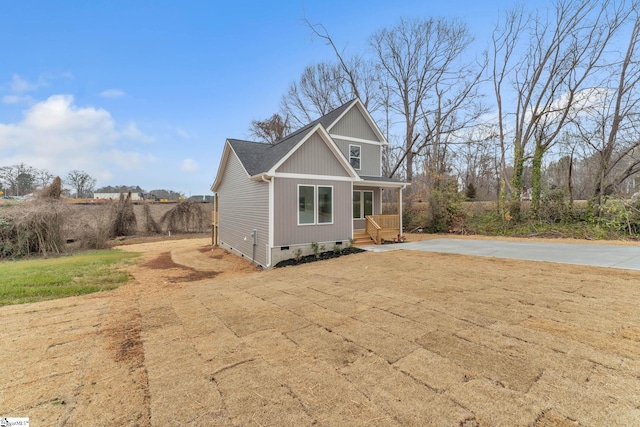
[370, 223]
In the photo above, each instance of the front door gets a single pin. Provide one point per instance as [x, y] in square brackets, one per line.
[362, 206]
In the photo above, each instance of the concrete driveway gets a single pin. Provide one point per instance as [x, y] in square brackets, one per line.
[612, 256]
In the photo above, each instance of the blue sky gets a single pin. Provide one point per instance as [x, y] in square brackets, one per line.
[146, 92]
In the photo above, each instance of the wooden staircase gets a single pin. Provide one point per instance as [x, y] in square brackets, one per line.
[361, 238]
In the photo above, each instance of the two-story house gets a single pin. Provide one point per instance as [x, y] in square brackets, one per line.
[321, 185]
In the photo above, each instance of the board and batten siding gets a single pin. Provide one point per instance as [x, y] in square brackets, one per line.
[243, 206]
[360, 224]
[369, 156]
[286, 229]
[354, 124]
[315, 158]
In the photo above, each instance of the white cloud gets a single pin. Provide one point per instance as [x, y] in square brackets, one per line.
[17, 99]
[129, 160]
[20, 85]
[132, 132]
[57, 135]
[112, 93]
[189, 165]
[182, 133]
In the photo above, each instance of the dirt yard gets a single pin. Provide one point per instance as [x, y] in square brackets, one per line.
[383, 339]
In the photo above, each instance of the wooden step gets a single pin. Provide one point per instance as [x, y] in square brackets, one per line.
[361, 238]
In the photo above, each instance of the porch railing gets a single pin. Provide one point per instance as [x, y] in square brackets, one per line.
[383, 227]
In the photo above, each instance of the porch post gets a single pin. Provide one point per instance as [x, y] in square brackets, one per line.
[400, 209]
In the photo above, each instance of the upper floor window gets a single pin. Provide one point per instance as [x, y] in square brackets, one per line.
[354, 156]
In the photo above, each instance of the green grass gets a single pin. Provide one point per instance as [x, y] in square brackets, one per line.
[44, 279]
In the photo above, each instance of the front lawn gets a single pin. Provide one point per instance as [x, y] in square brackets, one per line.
[44, 279]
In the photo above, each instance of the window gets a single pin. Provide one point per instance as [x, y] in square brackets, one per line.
[315, 204]
[362, 204]
[354, 156]
[357, 204]
[368, 203]
[325, 205]
[306, 209]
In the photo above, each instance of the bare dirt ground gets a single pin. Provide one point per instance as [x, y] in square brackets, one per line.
[201, 337]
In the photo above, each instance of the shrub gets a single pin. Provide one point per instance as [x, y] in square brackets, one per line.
[470, 192]
[622, 216]
[446, 212]
[123, 218]
[53, 191]
[32, 228]
[554, 206]
[151, 226]
[95, 233]
[186, 217]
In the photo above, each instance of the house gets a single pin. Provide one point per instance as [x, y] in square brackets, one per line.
[116, 196]
[320, 185]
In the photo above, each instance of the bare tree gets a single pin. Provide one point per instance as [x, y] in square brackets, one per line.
[19, 178]
[610, 127]
[43, 177]
[270, 130]
[421, 68]
[81, 182]
[505, 39]
[325, 86]
[562, 49]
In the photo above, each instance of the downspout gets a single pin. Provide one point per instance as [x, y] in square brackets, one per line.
[266, 178]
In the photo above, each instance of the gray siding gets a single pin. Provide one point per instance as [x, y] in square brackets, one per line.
[243, 206]
[313, 157]
[359, 224]
[354, 124]
[369, 153]
[286, 229]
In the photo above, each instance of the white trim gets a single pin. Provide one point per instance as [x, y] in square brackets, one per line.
[330, 143]
[297, 205]
[351, 212]
[372, 124]
[316, 204]
[271, 221]
[346, 110]
[373, 200]
[359, 156]
[400, 209]
[360, 140]
[315, 177]
[224, 159]
[385, 184]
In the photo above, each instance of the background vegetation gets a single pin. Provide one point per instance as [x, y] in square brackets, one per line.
[538, 116]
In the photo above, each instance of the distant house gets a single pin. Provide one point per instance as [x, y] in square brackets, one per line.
[201, 198]
[116, 196]
[320, 185]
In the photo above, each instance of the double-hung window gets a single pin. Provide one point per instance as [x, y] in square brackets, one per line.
[354, 156]
[315, 204]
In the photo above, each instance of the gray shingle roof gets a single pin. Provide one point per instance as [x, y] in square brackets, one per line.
[259, 157]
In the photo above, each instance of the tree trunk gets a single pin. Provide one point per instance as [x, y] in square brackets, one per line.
[518, 171]
[536, 180]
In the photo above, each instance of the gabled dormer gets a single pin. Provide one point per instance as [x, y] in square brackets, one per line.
[359, 139]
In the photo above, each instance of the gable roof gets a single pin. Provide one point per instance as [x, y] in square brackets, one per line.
[259, 157]
[365, 114]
